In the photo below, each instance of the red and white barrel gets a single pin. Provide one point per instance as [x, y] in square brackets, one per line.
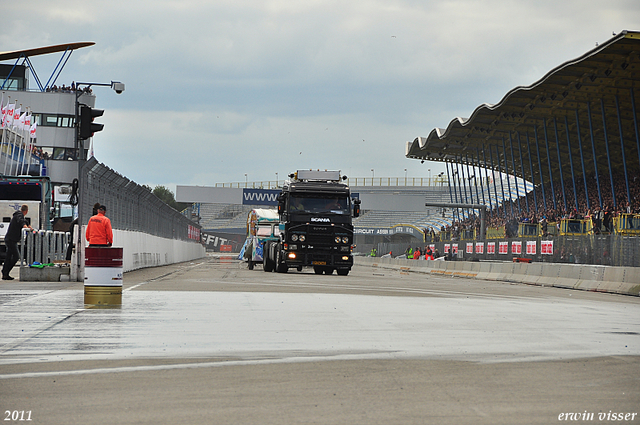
[103, 276]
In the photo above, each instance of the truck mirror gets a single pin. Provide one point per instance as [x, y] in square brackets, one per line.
[281, 203]
[356, 208]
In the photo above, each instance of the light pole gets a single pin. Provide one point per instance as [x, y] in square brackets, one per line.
[405, 176]
[246, 182]
[118, 87]
[276, 180]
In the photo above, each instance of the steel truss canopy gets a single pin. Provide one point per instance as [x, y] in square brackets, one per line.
[585, 107]
[25, 54]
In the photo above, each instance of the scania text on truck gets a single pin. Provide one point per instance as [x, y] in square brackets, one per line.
[316, 212]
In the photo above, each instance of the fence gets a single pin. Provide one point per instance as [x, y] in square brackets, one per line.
[131, 206]
[609, 250]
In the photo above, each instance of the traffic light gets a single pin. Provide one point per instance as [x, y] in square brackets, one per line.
[87, 126]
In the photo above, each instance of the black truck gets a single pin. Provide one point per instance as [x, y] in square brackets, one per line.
[316, 229]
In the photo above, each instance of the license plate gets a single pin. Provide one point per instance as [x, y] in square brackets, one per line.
[319, 263]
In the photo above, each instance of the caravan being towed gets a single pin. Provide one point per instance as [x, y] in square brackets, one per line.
[262, 226]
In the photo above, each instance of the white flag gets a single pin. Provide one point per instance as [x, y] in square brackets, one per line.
[21, 121]
[9, 115]
[32, 130]
[16, 117]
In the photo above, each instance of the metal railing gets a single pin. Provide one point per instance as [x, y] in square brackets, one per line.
[43, 246]
[353, 181]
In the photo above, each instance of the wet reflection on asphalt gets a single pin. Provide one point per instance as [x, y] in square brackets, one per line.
[45, 325]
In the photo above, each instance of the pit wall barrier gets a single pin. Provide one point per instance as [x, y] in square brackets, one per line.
[615, 280]
[142, 250]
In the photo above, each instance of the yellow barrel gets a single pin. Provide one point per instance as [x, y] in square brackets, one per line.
[103, 295]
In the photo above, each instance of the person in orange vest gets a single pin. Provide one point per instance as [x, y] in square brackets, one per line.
[99, 232]
[416, 254]
[429, 254]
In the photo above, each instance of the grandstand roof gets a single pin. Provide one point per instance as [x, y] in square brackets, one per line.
[17, 54]
[553, 108]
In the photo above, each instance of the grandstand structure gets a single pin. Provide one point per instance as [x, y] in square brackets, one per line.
[570, 146]
[573, 134]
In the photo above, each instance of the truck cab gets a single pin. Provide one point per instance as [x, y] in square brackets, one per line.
[316, 230]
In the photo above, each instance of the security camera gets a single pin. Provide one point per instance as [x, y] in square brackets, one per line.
[117, 87]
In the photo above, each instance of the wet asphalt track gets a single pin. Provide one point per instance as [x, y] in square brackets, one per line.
[279, 340]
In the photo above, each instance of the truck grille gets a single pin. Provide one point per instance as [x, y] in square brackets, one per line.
[320, 239]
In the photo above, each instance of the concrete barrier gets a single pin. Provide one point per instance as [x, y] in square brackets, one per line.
[616, 280]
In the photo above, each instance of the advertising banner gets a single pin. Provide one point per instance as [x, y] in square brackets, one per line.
[516, 247]
[260, 197]
[546, 247]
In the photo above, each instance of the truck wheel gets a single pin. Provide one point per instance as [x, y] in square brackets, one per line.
[251, 263]
[343, 272]
[317, 270]
[268, 263]
[280, 267]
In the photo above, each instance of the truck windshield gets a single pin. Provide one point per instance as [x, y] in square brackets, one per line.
[319, 204]
[266, 229]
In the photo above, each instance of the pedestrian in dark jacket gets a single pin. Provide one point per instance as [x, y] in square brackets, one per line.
[11, 239]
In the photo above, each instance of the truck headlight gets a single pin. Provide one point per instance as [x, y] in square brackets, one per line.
[294, 238]
[292, 255]
[337, 239]
[345, 239]
[302, 238]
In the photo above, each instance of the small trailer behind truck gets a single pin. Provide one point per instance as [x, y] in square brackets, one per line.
[262, 226]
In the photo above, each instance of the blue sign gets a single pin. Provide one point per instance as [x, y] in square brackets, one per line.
[260, 197]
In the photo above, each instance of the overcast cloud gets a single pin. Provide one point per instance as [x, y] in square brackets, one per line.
[215, 90]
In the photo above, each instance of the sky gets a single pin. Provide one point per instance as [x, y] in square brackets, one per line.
[239, 90]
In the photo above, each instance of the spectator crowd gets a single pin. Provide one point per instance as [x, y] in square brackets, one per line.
[536, 209]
